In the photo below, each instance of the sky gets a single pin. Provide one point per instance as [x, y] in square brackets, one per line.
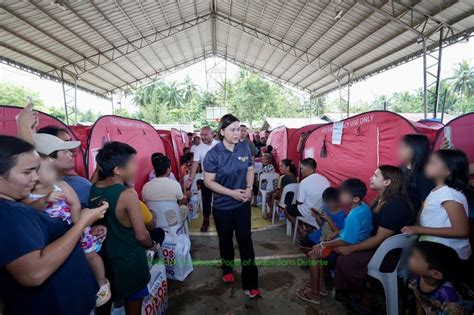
[407, 77]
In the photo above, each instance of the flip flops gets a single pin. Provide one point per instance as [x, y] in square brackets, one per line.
[322, 293]
[302, 294]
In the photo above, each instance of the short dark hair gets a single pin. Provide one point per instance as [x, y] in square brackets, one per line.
[439, 257]
[10, 149]
[355, 187]
[186, 158]
[331, 194]
[52, 130]
[113, 154]
[309, 162]
[243, 126]
[458, 165]
[155, 155]
[161, 164]
[224, 122]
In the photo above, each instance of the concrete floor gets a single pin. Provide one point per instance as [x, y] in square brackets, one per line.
[204, 292]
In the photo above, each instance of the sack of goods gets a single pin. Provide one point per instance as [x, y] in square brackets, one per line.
[156, 303]
[176, 256]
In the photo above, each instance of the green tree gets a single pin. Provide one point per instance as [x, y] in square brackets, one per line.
[17, 95]
[462, 82]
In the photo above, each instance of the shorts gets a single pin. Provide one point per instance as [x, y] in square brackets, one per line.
[294, 211]
[89, 242]
[307, 242]
[143, 293]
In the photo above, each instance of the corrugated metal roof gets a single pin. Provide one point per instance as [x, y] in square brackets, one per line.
[117, 45]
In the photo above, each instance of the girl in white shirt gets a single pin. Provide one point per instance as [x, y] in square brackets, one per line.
[444, 218]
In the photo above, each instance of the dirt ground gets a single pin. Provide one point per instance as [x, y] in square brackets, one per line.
[204, 292]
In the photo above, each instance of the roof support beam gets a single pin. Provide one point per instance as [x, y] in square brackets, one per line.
[319, 63]
[284, 37]
[271, 29]
[136, 30]
[162, 73]
[425, 29]
[260, 71]
[54, 69]
[306, 31]
[399, 16]
[447, 42]
[256, 27]
[117, 52]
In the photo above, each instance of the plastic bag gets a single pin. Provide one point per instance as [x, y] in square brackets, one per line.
[176, 256]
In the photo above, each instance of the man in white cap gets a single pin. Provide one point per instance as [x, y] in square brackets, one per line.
[62, 153]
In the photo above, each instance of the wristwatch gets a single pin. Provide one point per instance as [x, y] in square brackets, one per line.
[249, 187]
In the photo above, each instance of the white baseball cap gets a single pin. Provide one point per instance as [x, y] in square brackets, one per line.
[47, 144]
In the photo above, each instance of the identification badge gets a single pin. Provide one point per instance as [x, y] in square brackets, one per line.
[243, 158]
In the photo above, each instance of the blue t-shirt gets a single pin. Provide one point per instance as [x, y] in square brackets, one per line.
[71, 289]
[81, 186]
[358, 225]
[230, 169]
[338, 218]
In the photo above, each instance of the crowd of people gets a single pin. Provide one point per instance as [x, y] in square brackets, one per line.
[75, 246]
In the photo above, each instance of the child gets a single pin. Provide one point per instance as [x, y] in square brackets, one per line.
[127, 240]
[357, 228]
[58, 200]
[444, 218]
[330, 219]
[433, 265]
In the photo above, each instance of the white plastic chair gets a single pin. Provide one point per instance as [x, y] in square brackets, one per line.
[389, 279]
[169, 216]
[268, 182]
[310, 221]
[290, 188]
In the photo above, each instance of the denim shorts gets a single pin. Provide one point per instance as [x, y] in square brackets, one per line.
[139, 294]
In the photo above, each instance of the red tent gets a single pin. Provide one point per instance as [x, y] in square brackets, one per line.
[168, 143]
[462, 129]
[278, 139]
[293, 154]
[140, 135]
[82, 133]
[429, 128]
[368, 140]
[8, 127]
[180, 141]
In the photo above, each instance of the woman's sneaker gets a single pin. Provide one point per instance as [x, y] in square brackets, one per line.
[228, 278]
[104, 294]
[253, 293]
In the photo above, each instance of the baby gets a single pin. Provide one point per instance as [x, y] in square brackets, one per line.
[59, 200]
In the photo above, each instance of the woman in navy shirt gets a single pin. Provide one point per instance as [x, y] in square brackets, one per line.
[228, 172]
[42, 267]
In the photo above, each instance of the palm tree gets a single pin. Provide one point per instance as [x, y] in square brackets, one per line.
[462, 81]
[189, 88]
[173, 96]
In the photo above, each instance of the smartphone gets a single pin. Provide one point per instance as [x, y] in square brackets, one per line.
[448, 135]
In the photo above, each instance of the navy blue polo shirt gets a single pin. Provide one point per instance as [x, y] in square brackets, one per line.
[230, 169]
[71, 289]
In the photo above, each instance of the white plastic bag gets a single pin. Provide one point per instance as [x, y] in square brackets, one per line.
[176, 256]
[193, 207]
[156, 303]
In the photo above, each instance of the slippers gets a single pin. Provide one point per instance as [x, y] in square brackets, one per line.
[302, 294]
[322, 293]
